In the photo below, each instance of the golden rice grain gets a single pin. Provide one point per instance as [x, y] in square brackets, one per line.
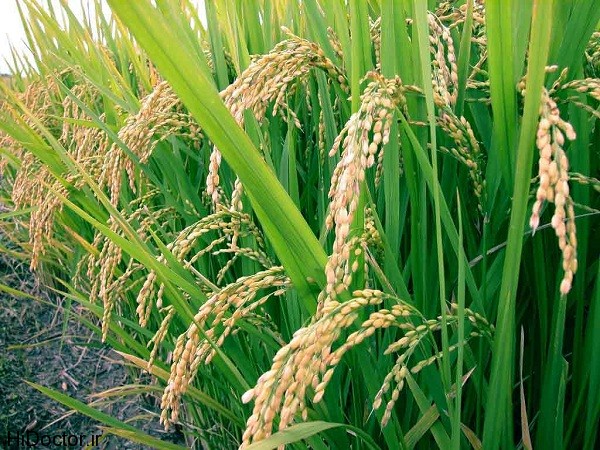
[358, 153]
[220, 313]
[267, 80]
[554, 185]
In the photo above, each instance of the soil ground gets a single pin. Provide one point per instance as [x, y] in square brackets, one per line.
[37, 346]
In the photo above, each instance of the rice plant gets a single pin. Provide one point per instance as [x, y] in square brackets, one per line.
[322, 224]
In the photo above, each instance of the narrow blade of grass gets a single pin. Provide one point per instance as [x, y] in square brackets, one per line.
[498, 419]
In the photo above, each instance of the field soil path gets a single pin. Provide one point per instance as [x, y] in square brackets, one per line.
[36, 345]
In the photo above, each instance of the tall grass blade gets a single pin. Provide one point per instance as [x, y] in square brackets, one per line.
[498, 420]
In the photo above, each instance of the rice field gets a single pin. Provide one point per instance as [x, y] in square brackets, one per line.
[345, 224]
